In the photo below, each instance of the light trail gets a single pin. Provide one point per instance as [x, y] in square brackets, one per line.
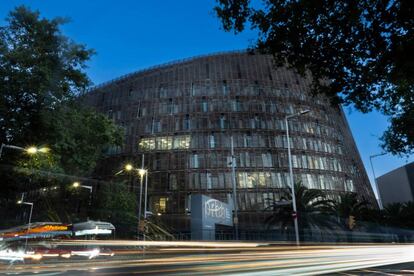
[255, 261]
[159, 243]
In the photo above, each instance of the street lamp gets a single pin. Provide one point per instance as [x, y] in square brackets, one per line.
[141, 172]
[375, 180]
[295, 215]
[29, 150]
[22, 202]
[129, 167]
[77, 184]
[234, 184]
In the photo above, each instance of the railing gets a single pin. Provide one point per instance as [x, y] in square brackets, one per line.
[308, 236]
[123, 77]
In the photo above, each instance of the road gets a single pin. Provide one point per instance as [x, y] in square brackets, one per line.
[226, 258]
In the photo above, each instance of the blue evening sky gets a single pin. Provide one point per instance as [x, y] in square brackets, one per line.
[129, 35]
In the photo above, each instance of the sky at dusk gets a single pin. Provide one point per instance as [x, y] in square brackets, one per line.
[132, 35]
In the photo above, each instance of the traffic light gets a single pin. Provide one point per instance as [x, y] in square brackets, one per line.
[351, 222]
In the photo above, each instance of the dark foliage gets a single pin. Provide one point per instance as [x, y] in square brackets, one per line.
[358, 52]
[41, 76]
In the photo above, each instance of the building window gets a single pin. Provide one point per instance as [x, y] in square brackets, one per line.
[194, 164]
[225, 92]
[209, 181]
[147, 144]
[182, 142]
[204, 105]
[267, 160]
[161, 205]
[173, 182]
[211, 141]
[187, 122]
[139, 110]
[349, 185]
[222, 121]
[247, 139]
[165, 142]
[170, 107]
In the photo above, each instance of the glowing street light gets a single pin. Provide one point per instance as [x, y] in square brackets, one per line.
[129, 167]
[142, 173]
[29, 150]
[77, 184]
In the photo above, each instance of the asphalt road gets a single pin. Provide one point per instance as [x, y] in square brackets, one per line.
[232, 259]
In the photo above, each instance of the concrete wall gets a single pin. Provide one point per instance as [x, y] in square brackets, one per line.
[395, 186]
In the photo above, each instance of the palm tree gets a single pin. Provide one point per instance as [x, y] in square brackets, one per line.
[394, 214]
[309, 204]
[348, 205]
[408, 214]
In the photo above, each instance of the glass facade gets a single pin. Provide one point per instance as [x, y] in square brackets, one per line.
[182, 116]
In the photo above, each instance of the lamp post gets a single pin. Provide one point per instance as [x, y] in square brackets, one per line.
[375, 179]
[141, 172]
[295, 215]
[29, 150]
[77, 184]
[234, 184]
[146, 195]
[21, 201]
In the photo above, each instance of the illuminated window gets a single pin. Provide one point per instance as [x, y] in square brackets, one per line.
[147, 144]
[165, 142]
[182, 142]
[349, 185]
[161, 207]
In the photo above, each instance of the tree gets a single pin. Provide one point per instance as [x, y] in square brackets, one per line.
[408, 214]
[310, 204]
[357, 52]
[42, 73]
[348, 207]
[40, 69]
[394, 214]
[41, 76]
[117, 205]
[79, 136]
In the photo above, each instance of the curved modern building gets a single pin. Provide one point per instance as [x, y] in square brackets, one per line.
[182, 116]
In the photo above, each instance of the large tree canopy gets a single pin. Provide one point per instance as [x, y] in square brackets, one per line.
[358, 52]
[41, 76]
[39, 69]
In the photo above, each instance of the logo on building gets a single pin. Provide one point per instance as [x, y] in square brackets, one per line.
[216, 209]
